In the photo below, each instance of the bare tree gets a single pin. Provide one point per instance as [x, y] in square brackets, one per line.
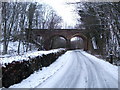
[17, 16]
[4, 19]
[102, 22]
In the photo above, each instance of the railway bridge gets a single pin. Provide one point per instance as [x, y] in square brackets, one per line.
[67, 34]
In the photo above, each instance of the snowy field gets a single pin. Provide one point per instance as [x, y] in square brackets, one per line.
[74, 69]
[13, 48]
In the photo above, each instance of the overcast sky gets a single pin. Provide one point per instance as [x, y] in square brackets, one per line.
[64, 10]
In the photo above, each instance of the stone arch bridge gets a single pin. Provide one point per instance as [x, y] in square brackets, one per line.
[47, 35]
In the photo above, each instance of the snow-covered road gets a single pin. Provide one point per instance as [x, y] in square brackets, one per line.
[82, 70]
[74, 69]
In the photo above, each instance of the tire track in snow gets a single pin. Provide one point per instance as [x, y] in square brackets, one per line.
[95, 75]
[88, 70]
[80, 71]
[101, 73]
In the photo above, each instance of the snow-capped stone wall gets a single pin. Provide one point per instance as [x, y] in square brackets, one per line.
[17, 70]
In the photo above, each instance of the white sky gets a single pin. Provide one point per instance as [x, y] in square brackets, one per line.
[64, 10]
[76, 38]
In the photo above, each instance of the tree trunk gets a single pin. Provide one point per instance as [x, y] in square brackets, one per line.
[0, 25]
[19, 47]
[5, 31]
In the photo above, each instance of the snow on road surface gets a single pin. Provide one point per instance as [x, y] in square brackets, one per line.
[75, 69]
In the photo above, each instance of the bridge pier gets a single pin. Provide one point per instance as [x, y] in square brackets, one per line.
[68, 44]
[46, 45]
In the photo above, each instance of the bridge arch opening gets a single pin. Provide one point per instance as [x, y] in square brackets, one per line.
[77, 43]
[81, 41]
[58, 41]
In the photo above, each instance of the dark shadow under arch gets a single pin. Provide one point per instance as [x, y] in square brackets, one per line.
[58, 41]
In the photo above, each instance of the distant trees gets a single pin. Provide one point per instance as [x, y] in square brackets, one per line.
[46, 18]
[101, 20]
[16, 16]
[13, 19]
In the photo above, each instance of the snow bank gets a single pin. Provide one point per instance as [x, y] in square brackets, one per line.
[27, 56]
[41, 76]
